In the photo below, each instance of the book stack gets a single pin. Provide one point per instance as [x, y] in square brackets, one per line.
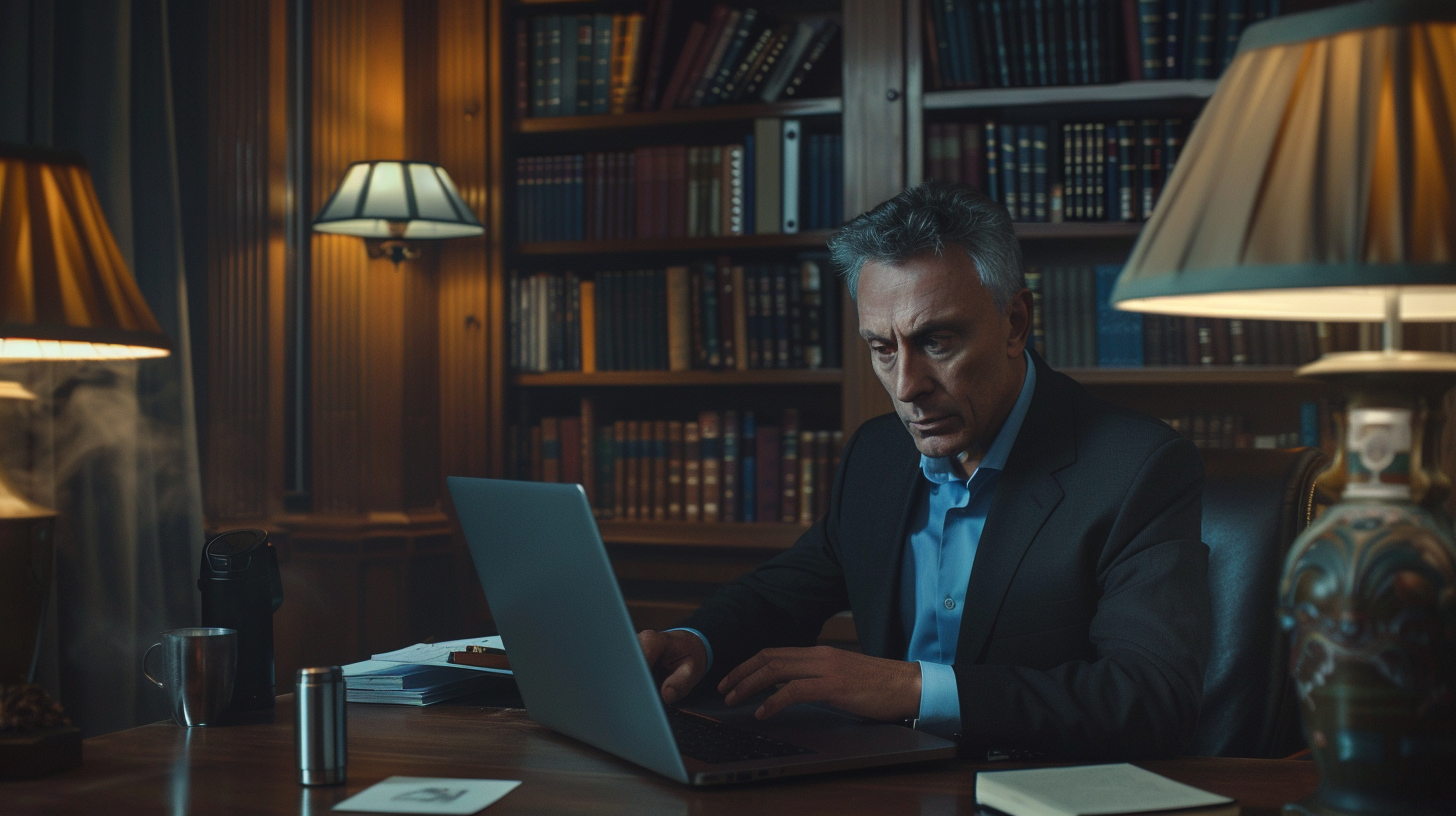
[378, 681]
[584, 64]
[777, 180]
[707, 315]
[1072, 171]
[1018, 43]
[720, 467]
[1075, 325]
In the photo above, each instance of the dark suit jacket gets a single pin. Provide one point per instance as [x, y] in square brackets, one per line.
[1086, 626]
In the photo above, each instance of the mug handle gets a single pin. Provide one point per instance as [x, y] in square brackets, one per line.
[147, 674]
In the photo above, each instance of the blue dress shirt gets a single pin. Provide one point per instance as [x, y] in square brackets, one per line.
[936, 565]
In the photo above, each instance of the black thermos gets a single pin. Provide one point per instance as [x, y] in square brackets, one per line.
[241, 588]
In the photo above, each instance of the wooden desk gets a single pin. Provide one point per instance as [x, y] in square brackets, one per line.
[249, 769]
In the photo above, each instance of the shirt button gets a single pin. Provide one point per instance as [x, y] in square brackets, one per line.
[949, 603]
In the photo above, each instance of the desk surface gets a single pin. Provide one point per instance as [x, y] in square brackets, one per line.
[248, 768]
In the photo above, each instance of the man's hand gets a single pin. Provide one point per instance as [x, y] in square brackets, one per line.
[868, 686]
[679, 655]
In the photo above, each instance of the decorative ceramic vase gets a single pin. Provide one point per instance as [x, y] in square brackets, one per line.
[1369, 597]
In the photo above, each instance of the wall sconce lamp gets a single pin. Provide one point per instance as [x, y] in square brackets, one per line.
[391, 204]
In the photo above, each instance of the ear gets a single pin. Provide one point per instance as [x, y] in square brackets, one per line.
[1018, 319]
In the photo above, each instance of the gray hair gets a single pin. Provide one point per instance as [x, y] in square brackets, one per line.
[927, 218]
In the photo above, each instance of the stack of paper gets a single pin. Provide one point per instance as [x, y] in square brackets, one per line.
[417, 675]
[1095, 790]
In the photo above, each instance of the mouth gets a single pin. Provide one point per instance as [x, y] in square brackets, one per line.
[931, 426]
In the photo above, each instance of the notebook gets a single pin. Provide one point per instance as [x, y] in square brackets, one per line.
[1095, 790]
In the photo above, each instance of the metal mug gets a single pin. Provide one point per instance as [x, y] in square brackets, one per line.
[198, 668]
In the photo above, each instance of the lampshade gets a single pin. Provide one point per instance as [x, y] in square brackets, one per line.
[397, 199]
[65, 292]
[1320, 177]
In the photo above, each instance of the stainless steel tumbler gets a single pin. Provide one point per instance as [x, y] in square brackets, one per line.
[323, 749]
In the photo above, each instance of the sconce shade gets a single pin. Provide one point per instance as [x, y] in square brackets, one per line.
[1320, 176]
[399, 200]
[65, 291]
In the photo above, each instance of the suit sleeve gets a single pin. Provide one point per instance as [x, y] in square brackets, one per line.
[786, 600]
[1139, 696]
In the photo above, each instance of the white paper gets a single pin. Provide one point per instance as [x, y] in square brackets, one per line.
[424, 794]
[438, 654]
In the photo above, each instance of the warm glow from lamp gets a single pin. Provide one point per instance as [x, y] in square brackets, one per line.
[65, 291]
[390, 203]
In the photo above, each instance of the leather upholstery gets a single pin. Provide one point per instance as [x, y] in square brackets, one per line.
[1255, 502]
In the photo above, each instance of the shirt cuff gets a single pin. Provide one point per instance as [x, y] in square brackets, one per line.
[709, 647]
[940, 702]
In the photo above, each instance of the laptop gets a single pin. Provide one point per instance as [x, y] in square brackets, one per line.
[581, 672]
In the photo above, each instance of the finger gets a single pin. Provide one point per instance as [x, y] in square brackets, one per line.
[781, 669]
[741, 671]
[680, 682]
[652, 643]
[811, 690]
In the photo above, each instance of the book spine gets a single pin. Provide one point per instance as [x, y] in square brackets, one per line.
[789, 60]
[810, 296]
[806, 477]
[1151, 32]
[789, 155]
[550, 449]
[675, 483]
[659, 470]
[704, 76]
[570, 43]
[768, 463]
[523, 68]
[737, 45]
[727, 338]
[781, 316]
[661, 14]
[539, 63]
[711, 451]
[739, 301]
[1025, 195]
[1205, 48]
[1009, 173]
[804, 68]
[554, 35]
[823, 472]
[728, 510]
[768, 64]
[748, 469]
[993, 172]
[691, 44]
[601, 72]
[789, 468]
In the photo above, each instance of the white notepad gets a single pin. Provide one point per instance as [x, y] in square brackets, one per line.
[418, 794]
[1094, 790]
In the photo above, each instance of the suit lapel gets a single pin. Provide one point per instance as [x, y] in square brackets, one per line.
[1026, 495]
[880, 629]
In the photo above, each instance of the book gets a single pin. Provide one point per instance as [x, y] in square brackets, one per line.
[710, 451]
[660, 17]
[748, 468]
[691, 44]
[790, 154]
[601, 63]
[660, 454]
[692, 474]
[768, 462]
[1082, 790]
[807, 458]
[675, 471]
[813, 55]
[789, 467]
[728, 510]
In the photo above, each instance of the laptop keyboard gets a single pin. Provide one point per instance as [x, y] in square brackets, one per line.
[708, 740]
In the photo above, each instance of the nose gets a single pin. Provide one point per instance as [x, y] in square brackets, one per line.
[911, 376]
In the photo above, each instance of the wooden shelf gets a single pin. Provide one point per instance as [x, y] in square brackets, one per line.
[1190, 375]
[1063, 94]
[711, 243]
[1036, 231]
[826, 106]
[767, 376]
[745, 536]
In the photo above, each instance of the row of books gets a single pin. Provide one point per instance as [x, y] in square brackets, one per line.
[1075, 325]
[778, 180]
[1214, 430]
[1095, 171]
[582, 64]
[708, 315]
[721, 467]
[1015, 43]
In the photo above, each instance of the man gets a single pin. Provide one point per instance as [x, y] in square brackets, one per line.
[1022, 560]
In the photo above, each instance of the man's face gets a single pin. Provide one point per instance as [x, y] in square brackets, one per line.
[952, 363]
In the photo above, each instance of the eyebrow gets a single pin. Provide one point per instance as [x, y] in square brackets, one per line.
[930, 328]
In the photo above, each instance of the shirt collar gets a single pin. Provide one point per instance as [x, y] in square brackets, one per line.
[938, 469]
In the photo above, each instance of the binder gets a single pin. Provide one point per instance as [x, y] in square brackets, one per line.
[790, 176]
[768, 137]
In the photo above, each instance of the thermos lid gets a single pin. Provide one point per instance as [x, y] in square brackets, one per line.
[233, 551]
[321, 674]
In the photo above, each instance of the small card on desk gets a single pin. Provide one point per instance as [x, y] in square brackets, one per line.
[424, 794]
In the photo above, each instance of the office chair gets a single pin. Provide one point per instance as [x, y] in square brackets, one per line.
[1255, 502]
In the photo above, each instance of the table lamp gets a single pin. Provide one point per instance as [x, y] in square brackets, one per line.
[1320, 184]
[65, 294]
[390, 204]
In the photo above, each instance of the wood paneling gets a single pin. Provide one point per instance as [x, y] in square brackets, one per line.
[247, 163]
[874, 168]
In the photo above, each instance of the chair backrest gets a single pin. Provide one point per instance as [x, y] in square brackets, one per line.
[1255, 502]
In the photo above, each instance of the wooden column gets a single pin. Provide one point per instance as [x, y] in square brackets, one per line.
[874, 160]
[243, 447]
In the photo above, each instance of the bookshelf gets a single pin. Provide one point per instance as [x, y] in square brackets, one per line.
[667, 566]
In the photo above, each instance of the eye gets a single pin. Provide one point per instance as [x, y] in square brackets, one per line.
[936, 344]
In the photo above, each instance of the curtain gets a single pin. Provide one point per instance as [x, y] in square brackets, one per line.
[112, 446]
